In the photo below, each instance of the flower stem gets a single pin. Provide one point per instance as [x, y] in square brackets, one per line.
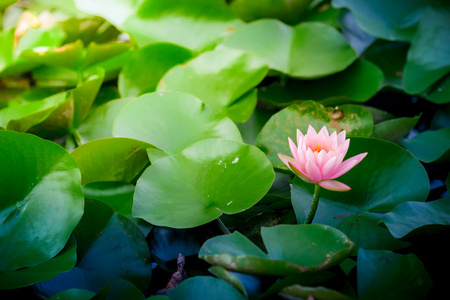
[314, 204]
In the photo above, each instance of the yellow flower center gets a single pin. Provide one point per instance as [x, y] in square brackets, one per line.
[318, 148]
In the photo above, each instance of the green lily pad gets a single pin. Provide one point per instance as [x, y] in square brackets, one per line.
[389, 20]
[41, 197]
[410, 216]
[428, 58]
[210, 177]
[24, 116]
[172, 121]
[303, 292]
[273, 138]
[386, 275]
[78, 278]
[73, 294]
[204, 287]
[358, 83]
[289, 12]
[158, 59]
[378, 184]
[62, 262]
[219, 78]
[111, 159]
[308, 50]
[229, 277]
[194, 24]
[430, 146]
[394, 130]
[98, 124]
[286, 256]
[84, 29]
[439, 92]
[102, 236]
[321, 246]
[115, 14]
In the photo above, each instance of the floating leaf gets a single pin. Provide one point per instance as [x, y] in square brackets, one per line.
[42, 200]
[273, 138]
[428, 58]
[172, 121]
[378, 184]
[229, 277]
[386, 275]
[289, 12]
[320, 292]
[158, 59]
[219, 78]
[286, 256]
[204, 287]
[430, 145]
[62, 262]
[78, 278]
[308, 50]
[389, 20]
[357, 83]
[103, 236]
[207, 179]
[394, 130]
[111, 159]
[406, 217]
[194, 24]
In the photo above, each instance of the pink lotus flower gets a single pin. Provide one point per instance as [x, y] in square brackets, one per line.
[318, 158]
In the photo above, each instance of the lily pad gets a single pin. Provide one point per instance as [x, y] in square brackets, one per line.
[357, 83]
[273, 138]
[289, 12]
[389, 20]
[409, 217]
[63, 262]
[229, 277]
[286, 256]
[430, 146]
[303, 292]
[194, 24]
[428, 58]
[111, 159]
[158, 59]
[172, 121]
[308, 50]
[219, 78]
[40, 191]
[378, 184]
[78, 278]
[204, 287]
[103, 235]
[197, 185]
[387, 275]
[394, 130]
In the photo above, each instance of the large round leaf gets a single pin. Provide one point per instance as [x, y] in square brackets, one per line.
[394, 130]
[207, 179]
[390, 20]
[428, 58]
[103, 236]
[315, 247]
[430, 145]
[194, 24]
[204, 287]
[311, 246]
[41, 199]
[172, 121]
[309, 50]
[157, 58]
[273, 138]
[63, 262]
[111, 159]
[409, 216]
[287, 11]
[78, 278]
[219, 78]
[386, 275]
[386, 177]
[357, 83]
